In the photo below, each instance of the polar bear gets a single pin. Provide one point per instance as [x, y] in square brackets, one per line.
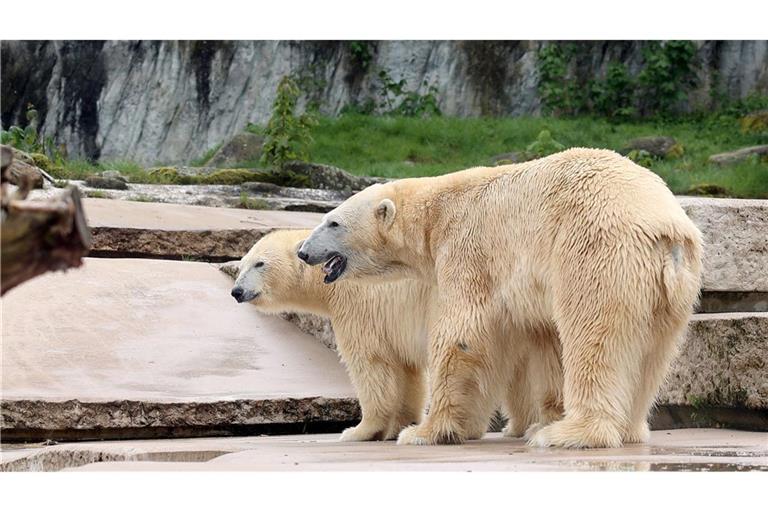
[381, 335]
[584, 248]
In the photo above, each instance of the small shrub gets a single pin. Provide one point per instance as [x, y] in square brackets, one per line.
[668, 73]
[398, 100]
[287, 135]
[613, 96]
[543, 145]
[252, 203]
[641, 157]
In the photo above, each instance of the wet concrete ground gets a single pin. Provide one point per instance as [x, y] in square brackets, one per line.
[669, 450]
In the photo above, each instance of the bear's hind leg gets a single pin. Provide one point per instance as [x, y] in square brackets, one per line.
[654, 369]
[601, 370]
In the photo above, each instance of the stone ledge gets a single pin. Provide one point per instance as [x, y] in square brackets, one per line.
[33, 419]
[723, 363]
[208, 245]
[735, 242]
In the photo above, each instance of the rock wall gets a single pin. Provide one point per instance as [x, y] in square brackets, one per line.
[169, 101]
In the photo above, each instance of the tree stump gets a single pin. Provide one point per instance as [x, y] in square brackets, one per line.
[38, 236]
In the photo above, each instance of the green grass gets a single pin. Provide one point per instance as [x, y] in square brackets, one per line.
[407, 147]
[398, 147]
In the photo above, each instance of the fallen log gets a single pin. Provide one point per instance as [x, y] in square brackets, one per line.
[38, 236]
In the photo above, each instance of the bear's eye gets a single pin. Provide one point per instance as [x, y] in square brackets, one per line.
[259, 264]
[334, 224]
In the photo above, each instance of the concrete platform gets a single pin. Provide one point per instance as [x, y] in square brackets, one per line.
[173, 231]
[127, 348]
[149, 343]
[676, 450]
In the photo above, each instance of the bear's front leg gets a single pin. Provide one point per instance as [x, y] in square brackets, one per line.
[378, 380]
[463, 382]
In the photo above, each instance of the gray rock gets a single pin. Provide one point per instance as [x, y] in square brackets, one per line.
[7, 156]
[658, 146]
[735, 242]
[103, 182]
[211, 90]
[113, 175]
[244, 147]
[733, 157]
[263, 189]
[331, 178]
[722, 363]
[20, 171]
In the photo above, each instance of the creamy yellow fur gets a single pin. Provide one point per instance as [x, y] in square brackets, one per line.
[381, 336]
[583, 252]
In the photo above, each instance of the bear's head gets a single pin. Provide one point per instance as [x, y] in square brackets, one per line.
[269, 274]
[362, 238]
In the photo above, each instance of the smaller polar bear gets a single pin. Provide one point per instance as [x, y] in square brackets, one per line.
[381, 335]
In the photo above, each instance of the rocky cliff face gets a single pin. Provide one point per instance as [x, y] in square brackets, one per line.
[170, 101]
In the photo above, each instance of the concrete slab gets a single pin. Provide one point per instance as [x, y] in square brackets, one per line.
[676, 450]
[722, 363]
[130, 229]
[131, 343]
[735, 235]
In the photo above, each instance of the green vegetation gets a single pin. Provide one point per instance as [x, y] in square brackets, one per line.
[206, 157]
[399, 147]
[287, 135]
[668, 73]
[252, 203]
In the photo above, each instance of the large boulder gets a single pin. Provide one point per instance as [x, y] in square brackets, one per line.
[245, 147]
[20, 171]
[657, 146]
[109, 181]
[734, 157]
[330, 178]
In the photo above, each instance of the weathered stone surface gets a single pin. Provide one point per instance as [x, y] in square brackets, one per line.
[724, 362]
[21, 171]
[733, 157]
[125, 228]
[222, 196]
[152, 343]
[658, 146]
[735, 242]
[243, 147]
[106, 182]
[733, 302]
[672, 450]
[328, 177]
[80, 417]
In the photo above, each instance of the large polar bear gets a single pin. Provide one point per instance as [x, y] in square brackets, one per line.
[583, 249]
[381, 335]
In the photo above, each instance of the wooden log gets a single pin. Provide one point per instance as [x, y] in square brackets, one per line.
[39, 236]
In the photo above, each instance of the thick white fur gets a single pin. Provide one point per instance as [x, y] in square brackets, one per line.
[584, 253]
[381, 336]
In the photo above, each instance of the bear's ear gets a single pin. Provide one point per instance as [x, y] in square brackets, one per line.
[385, 212]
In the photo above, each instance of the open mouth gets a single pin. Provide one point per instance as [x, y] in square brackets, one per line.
[334, 267]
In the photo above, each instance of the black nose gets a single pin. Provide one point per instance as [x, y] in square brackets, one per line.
[237, 293]
[302, 255]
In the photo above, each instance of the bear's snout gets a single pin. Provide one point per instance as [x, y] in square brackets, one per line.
[303, 256]
[238, 293]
